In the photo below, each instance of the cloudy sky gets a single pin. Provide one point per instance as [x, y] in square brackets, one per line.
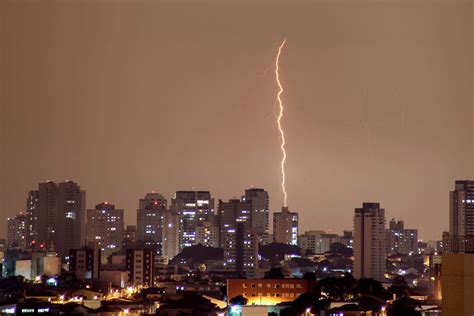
[128, 97]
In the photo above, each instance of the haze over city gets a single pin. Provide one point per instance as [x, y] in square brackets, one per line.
[162, 96]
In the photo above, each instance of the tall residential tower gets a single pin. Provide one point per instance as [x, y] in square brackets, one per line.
[461, 218]
[285, 226]
[105, 228]
[369, 242]
[194, 209]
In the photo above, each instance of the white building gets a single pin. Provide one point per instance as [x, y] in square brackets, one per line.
[170, 241]
[285, 226]
[369, 242]
[139, 264]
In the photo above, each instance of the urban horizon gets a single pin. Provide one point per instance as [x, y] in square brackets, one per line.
[272, 210]
[237, 158]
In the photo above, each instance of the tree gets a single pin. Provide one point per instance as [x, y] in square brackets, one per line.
[238, 300]
[322, 304]
[399, 287]
[371, 287]
[277, 251]
[312, 301]
[404, 307]
[340, 249]
[199, 253]
[338, 289]
[304, 301]
[310, 276]
[288, 312]
[274, 273]
[373, 303]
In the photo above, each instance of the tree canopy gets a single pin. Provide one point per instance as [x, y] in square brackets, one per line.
[238, 300]
[338, 289]
[277, 251]
[200, 253]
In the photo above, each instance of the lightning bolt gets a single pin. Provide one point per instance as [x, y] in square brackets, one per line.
[279, 118]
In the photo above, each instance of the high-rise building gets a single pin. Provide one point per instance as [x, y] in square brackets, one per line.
[285, 226]
[457, 282]
[150, 220]
[259, 204]
[56, 217]
[41, 209]
[400, 240]
[410, 244]
[194, 208]
[170, 235]
[85, 262]
[70, 218]
[32, 207]
[105, 228]
[207, 235]
[129, 236]
[311, 240]
[241, 250]
[232, 212]
[395, 233]
[318, 241]
[139, 264]
[461, 218]
[238, 238]
[17, 231]
[369, 242]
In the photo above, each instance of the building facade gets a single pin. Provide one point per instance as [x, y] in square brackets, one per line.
[56, 217]
[150, 220]
[194, 208]
[238, 238]
[400, 240]
[32, 208]
[129, 236]
[85, 262]
[369, 242]
[266, 291]
[259, 207]
[170, 234]
[461, 218]
[139, 265]
[207, 235]
[17, 233]
[457, 279]
[105, 228]
[285, 226]
[70, 218]
[41, 209]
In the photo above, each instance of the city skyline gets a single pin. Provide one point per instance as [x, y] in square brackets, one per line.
[256, 199]
[165, 97]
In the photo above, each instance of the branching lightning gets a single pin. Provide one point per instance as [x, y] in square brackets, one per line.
[279, 118]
